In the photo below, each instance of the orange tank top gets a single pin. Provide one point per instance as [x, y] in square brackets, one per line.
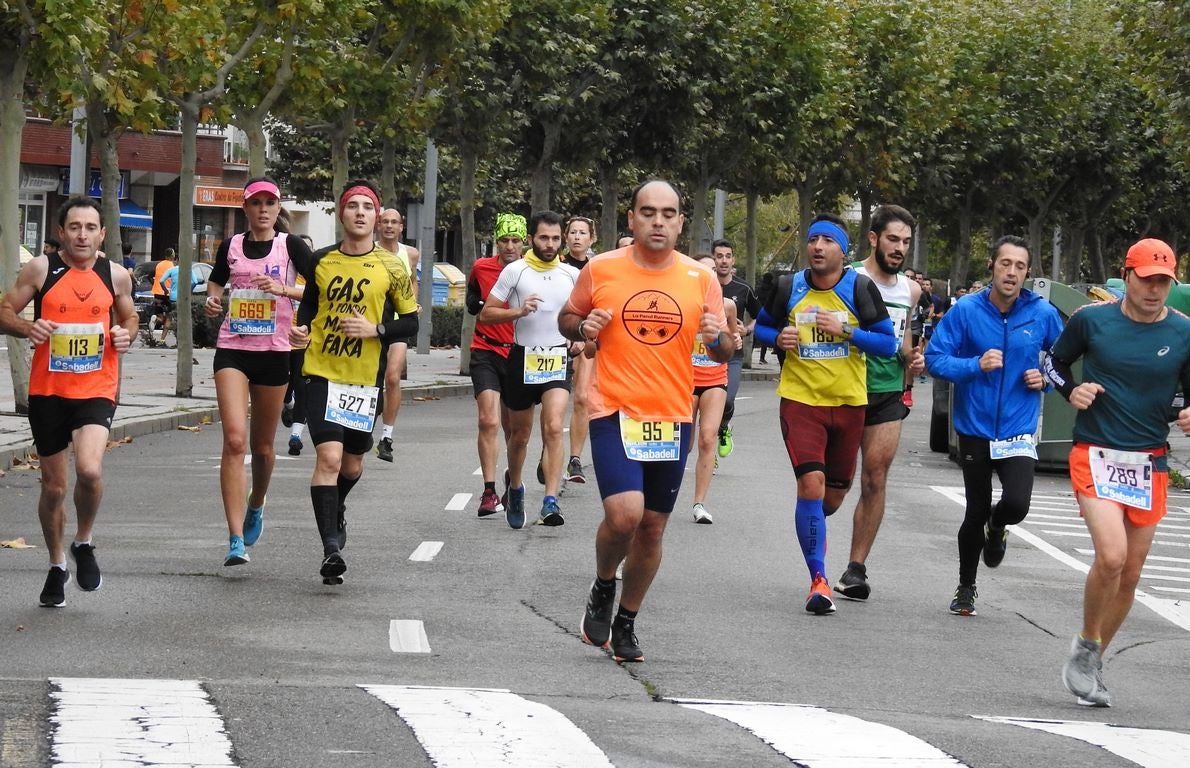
[79, 361]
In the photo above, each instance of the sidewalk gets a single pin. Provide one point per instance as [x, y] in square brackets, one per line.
[148, 403]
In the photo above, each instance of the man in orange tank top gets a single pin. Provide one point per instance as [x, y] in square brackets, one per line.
[83, 319]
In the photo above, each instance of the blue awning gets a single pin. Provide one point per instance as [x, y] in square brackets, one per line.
[132, 216]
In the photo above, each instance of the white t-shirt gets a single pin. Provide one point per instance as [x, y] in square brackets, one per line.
[517, 281]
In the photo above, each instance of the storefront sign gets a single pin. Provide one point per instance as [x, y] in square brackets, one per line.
[219, 197]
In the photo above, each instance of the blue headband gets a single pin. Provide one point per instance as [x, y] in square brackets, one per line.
[831, 230]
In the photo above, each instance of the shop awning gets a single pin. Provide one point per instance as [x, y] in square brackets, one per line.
[132, 216]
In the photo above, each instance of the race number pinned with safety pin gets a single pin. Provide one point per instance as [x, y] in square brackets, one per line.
[544, 364]
[1122, 476]
[1021, 445]
[252, 312]
[813, 343]
[650, 440]
[351, 405]
[700, 357]
[76, 348]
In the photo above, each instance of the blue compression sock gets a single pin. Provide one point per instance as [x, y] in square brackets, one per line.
[811, 534]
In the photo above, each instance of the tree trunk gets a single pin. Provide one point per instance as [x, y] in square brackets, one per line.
[341, 135]
[253, 126]
[805, 212]
[962, 257]
[185, 324]
[609, 197]
[468, 163]
[388, 172]
[1072, 254]
[865, 223]
[750, 258]
[1098, 266]
[921, 245]
[14, 64]
[105, 141]
[698, 217]
[539, 199]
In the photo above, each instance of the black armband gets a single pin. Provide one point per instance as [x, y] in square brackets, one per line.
[1059, 374]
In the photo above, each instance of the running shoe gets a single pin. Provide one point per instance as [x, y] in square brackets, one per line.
[342, 521]
[819, 601]
[541, 470]
[53, 594]
[384, 449]
[295, 445]
[86, 569]
[253, 524]
[596, 625]
[907, 398]
[994, 546]
[1080, 673]
[701, 515]
[853, 584]
[504, 496]
[514, 513]
[551, 514]
[333, 568]
[1100, 697]
[489, 503]
[235, 551]
[287, 414]
[574, 470]
[726, 444]
[963, 602]
[625, 646]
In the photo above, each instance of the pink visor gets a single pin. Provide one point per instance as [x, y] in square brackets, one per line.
[256, 187]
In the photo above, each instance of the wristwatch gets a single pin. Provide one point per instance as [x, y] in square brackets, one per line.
[847, 331]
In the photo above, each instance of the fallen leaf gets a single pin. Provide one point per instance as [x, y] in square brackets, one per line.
[27, 463]
[206, 420]
[190, 429]
[17, 543]
[20, 627]
[422, 398]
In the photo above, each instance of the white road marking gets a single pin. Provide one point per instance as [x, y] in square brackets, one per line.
[1146, 747]
[458, 502]
[407, 636]
[478, 471]
[478, 728]
[813, 737]
[137, 722]
[426, 551]
[1175, 611]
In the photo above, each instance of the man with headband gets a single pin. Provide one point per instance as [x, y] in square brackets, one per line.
[824, 319]
[341, 323]
[489, 356]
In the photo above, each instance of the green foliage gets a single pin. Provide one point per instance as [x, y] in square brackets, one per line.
[447, 330]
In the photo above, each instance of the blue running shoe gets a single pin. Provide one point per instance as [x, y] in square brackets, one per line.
[551, 514]
[253, 525]
[515, 512]
[235, 551]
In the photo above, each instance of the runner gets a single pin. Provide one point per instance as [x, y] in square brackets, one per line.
[643, 305]
[746, 302]
[580, 236]
[889, 236]
[293, 414]
[392, 226]
[252, 352]
[530, 293]
[1135, 352]
[989, 347]
[489, 357]
[812, 317]
[84, 317]
[710, 395]
[340, 322]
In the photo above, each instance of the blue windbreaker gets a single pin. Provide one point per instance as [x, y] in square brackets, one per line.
[995, 405]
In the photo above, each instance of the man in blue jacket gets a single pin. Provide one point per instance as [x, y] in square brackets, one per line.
[989, 346]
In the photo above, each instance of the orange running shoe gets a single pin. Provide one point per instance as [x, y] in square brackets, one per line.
[819, 602]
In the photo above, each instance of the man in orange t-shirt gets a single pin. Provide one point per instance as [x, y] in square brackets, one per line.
[644, 305]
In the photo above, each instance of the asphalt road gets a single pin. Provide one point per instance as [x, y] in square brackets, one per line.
[281, 658]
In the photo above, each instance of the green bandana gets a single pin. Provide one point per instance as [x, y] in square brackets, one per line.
[511, 225]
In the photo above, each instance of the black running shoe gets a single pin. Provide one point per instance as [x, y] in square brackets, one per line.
[963, 603]
[384, 449]
[541, 470]
[574, 471]
[86, 569]
[596, 624]
[287, 415]
[53, 594]
[333, 568]
[342, 526]
[853, 584]
[625, 646]
[995, 544]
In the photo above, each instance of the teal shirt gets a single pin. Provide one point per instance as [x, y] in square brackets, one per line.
[1139, 365]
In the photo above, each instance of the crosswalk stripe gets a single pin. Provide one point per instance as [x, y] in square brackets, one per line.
[458, 502]
[471, 727]
[137, 722]
[408, 636]
[426, 551]
[1146, 747]
[817, 738]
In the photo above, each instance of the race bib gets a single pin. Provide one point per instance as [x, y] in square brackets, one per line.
[77, 348]
[817, 344]
[351, 405]
[544, 364]
[1021, 445]
[899, 316]
[1122, 476]
[650, 440]
[252, 312]
[699, 357]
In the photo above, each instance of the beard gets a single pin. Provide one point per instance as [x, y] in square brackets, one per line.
[882, 262]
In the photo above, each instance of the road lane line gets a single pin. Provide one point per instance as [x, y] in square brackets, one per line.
[458, 502]
[426, 551]
[814, 737]
[1146, 747]
[407, 636]
[136, 722]
[468, 727]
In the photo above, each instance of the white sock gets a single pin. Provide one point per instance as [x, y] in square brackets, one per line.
[59, 566]
[296, 430]
[387, 434]
[80, 543]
